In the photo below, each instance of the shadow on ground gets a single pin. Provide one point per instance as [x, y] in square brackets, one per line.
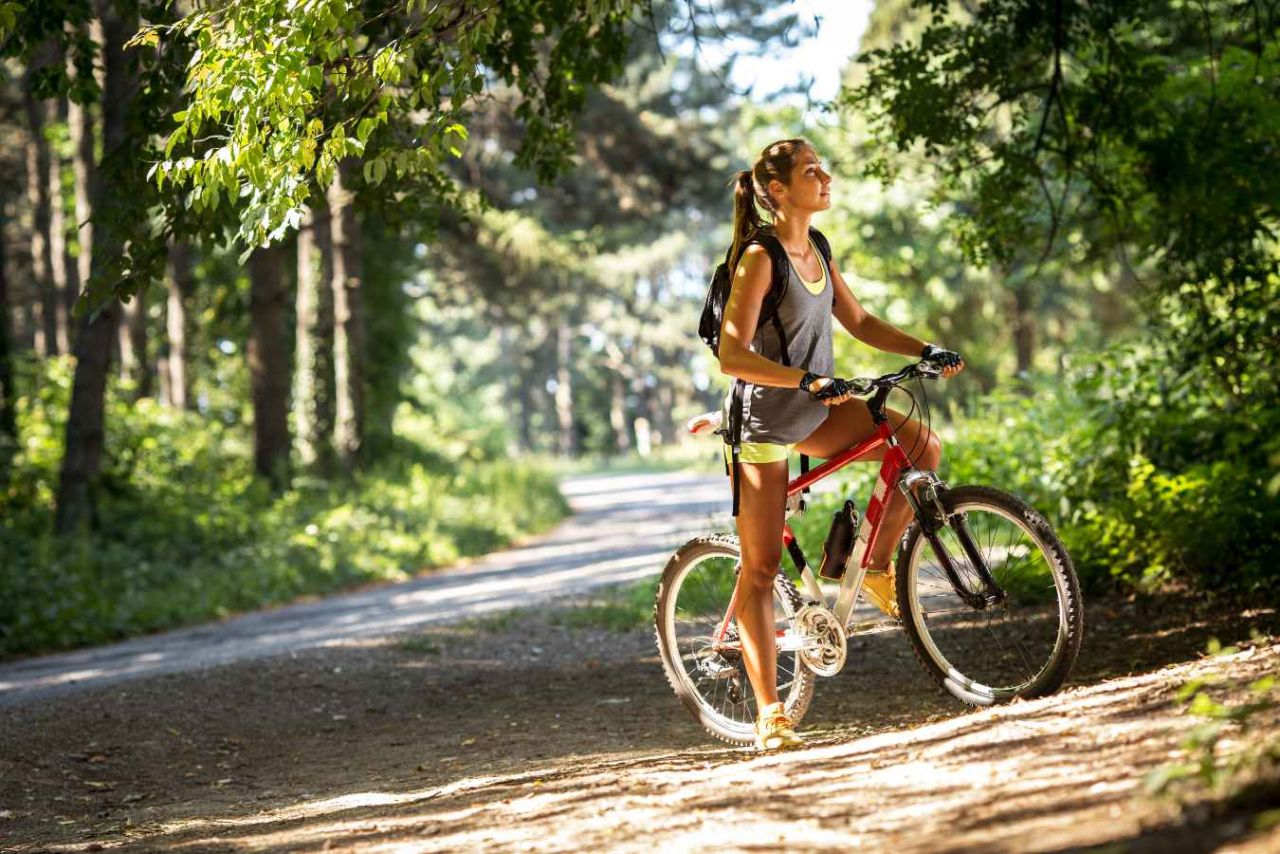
[516, 733]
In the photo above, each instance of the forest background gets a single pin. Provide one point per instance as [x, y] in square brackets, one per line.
[302, 295]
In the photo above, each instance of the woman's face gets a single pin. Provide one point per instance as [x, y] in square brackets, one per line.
[810, 185]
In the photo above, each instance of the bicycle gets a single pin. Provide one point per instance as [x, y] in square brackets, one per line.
[993, 611]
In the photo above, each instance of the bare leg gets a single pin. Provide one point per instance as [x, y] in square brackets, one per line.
[850, 423]
[762, 508]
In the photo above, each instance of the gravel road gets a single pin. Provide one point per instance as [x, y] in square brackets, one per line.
[623, 527]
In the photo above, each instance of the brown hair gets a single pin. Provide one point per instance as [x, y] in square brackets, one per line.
[751, 186]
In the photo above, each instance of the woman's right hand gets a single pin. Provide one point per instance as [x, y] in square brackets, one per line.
[832, 391]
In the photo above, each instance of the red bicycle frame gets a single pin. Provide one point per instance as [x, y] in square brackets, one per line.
[895, 462]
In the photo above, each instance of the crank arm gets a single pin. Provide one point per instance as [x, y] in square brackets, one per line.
[789, 642]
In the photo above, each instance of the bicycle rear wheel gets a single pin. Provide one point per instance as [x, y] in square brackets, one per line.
[990, 643]
[709, 676]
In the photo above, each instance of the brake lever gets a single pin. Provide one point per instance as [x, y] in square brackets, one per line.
[861, 385]
[928, 369]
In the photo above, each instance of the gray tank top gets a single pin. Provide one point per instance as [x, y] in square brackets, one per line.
[783, 416]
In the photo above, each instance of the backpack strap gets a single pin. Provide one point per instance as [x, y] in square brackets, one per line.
[820, 241]
[734, 438]
[781, 268]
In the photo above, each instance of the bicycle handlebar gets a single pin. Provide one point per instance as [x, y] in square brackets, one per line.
[921, 369]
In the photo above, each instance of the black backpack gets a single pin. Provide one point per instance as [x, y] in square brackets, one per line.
[713, 317]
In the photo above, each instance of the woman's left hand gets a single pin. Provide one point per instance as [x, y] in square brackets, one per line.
[949, 361]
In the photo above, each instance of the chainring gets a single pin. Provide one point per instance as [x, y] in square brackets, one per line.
[817, 625]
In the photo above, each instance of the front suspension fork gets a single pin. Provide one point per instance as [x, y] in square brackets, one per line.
[932, 517]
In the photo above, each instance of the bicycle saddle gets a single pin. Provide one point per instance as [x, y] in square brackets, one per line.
[707, 422]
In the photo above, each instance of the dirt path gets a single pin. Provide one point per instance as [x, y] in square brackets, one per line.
[623, 527]
[516, 733]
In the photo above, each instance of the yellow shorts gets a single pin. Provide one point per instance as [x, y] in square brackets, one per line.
[757, 452]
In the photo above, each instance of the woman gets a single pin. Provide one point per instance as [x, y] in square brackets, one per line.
[802, 406]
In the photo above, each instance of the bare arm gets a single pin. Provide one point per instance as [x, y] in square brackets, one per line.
[751, 282]
[866, 327]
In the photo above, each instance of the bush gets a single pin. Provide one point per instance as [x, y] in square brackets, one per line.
[1149, 477]
[186, 533]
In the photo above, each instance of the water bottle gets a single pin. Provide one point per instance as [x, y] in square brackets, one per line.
[835, 551]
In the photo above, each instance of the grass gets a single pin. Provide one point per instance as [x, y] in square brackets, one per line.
[420, 644]
[496, 623]
[620, 608]
[186, 533]
[616, 608]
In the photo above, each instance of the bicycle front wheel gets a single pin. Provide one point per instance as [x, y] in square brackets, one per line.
[703, 664]
[990, 637]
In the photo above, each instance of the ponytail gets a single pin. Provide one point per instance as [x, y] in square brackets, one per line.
[751, 186]
[746, 216]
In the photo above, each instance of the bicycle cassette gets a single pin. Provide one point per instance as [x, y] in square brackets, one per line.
[825, 645]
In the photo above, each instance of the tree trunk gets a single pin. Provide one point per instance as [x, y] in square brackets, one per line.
[269, 366]
[618, 412]
[44, 312]
[568, 444]
[82, 459]
[80, 124]
[524, 398]
[181, 284]
[62, 265]
[135, 364]
[348, 322]
[8, 412]
[666, 423]
[1024, 329]
[516, 394]
[23, 328]
[313, 351]
[644, 418]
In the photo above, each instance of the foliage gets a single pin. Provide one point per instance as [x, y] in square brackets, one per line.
[188, 535]
[1151, 126]
[130, 239]
[290, 89]
[617, 608]
[1218, 752]
[1148, 475]
[604, 253]
[9, 12]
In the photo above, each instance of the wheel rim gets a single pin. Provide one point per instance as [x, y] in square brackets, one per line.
[990, 655]
[717, 680]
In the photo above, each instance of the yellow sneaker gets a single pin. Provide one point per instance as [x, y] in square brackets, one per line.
[880, 591]
[774, 729]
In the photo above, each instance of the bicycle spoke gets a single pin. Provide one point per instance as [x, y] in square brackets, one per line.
[1003, 645]
[714, 673]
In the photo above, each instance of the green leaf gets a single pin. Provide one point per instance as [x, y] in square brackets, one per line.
[1158, 779]
[1263, 685]
[374, 171]
[1189, 689]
